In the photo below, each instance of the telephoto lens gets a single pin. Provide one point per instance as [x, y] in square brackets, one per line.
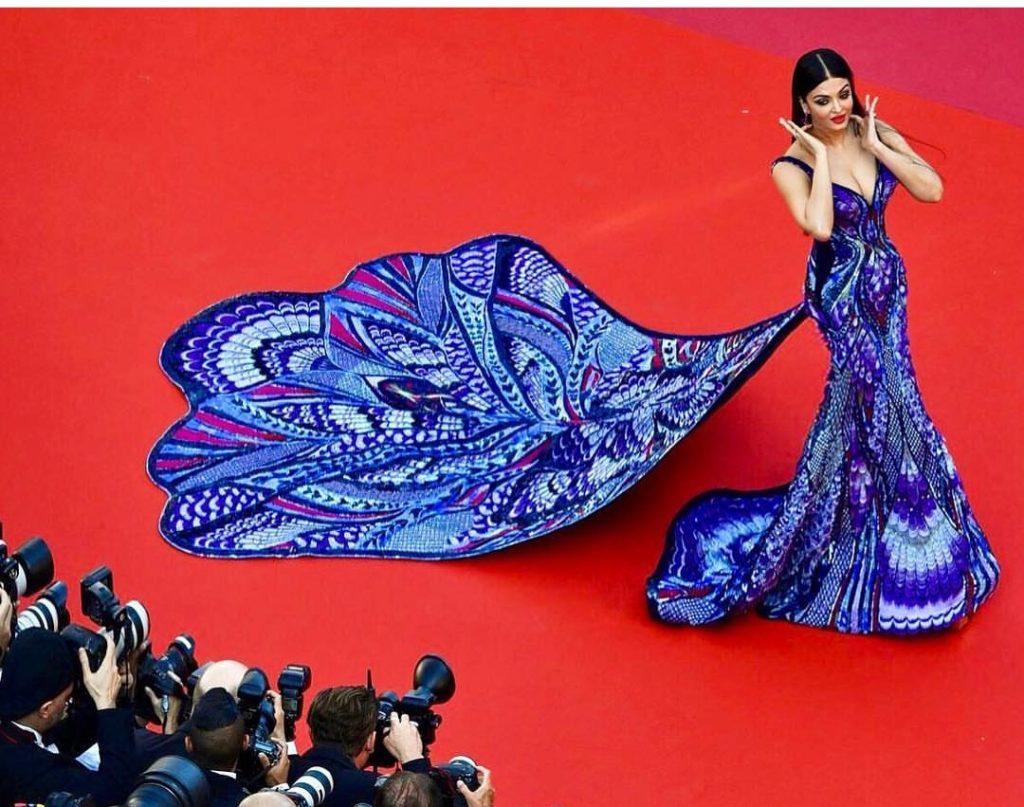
[26, 571]
[49, 611]
[171, 782]
[310, 789]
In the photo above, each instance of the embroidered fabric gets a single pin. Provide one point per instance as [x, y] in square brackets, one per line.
[431, 406]
[874, 533]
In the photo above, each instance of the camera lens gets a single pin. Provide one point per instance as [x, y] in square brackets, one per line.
[171, 782]
[310, 789]
[28, 569]
[48, 612]
[132, 629]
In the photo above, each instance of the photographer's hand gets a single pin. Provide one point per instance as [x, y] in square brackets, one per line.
[483, 796]
[277, 774]
[403, 740]
[170, 719]
[278, 732]
[102, 685]
[6, 620]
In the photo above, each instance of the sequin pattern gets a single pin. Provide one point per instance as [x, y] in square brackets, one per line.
[875, 533]
[431, 406]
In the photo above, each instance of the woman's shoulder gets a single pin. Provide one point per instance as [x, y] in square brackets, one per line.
[798, 152]
[804, 162]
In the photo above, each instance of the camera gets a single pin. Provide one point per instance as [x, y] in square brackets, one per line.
[310, 789]
[433, 682]
[293, 681]
[27, 570]
[158, 673]
[128, 624]
[257, 707]
[94, 645]
[171, 782]
[447, 776]
[49, 611]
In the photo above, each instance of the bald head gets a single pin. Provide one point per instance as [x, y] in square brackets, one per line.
[267, 800]
[224, 674]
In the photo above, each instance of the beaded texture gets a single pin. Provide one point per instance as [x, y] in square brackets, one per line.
[431, 406]
[874, 533]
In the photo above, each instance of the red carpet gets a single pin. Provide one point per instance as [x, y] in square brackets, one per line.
[156, 162]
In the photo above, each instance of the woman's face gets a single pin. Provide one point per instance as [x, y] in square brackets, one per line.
[830, 105]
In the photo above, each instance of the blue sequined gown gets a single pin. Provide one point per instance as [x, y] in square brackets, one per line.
[874, 533]
[447, 405]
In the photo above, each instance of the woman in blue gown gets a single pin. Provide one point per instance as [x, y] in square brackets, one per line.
[446, 405]
[874, 533]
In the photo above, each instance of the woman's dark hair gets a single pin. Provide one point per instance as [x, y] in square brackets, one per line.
[813, 68]
[820, 65]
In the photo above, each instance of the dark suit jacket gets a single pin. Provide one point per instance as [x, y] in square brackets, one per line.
[351, 785]
[30, 773]
[225, 791]
[150, 746]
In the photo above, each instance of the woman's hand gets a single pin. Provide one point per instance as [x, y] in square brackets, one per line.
[806, 139]
[869, 138]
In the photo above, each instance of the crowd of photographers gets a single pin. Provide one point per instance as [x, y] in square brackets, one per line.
[91, 718]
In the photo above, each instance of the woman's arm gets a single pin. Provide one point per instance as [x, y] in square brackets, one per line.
[811, 206]
[919, 178]
[890, 147]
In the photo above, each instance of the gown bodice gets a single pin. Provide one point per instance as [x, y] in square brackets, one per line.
[857, 279]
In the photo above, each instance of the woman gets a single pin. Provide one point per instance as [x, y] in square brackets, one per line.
[874, 534]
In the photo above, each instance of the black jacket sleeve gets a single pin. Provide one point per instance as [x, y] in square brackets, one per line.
[31, 773]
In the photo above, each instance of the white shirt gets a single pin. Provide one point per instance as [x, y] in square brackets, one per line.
[38, 738]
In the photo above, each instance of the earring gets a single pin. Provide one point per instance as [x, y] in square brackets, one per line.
[807, 117]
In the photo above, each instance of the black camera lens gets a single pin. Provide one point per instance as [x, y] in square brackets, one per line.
[171, 782]
[26, 571]
[49, 611]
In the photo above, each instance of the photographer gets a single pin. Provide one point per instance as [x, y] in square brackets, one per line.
[150, 745]
[342, 726]
[216, 740]
[35, 694]
[405, 789]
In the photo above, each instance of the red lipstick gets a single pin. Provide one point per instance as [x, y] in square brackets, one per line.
[838, 119]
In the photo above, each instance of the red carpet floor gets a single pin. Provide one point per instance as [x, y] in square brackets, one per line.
[156, 162]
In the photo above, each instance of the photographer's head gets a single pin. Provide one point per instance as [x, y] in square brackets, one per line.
[38, 678]
[344, 716]
[225, 674]
[217, 736]
[404, 789]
